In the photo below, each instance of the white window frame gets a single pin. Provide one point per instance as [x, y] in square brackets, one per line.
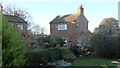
[65, 40]
[62, 27]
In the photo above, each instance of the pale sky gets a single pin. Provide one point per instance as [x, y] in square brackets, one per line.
[44, 11]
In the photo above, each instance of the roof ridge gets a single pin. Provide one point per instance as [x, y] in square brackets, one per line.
[77, 15]
[14, 18]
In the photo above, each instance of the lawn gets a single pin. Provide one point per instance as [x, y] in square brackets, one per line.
[90, 62]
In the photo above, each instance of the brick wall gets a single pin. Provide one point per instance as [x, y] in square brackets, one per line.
[68, 34]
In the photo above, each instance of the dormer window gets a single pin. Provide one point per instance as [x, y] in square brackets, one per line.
[62, 27]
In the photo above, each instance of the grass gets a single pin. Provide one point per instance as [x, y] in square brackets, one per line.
[93, 62]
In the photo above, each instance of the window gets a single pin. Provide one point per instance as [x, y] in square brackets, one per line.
[62, 27]
[65, 42]
[77, 27]
[20, 27]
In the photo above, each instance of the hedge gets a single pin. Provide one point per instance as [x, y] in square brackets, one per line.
[49, 55]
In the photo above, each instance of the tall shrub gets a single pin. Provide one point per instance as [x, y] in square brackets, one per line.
[13, 49]
[104, 45]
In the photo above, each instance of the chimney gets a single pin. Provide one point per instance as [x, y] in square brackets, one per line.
[81, 10]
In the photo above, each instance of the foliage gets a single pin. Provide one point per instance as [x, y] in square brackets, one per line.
[85, 50]
[58, 45]
[67, 54]
[104, 45]
[13, 49]
[118, 47]
[106, 39]
[49, 55]
[0, 39]
[45, 41]
[75, 50]
[56, 40]
[43, 56]
[81, 50]
[108, 26]
[96, 39]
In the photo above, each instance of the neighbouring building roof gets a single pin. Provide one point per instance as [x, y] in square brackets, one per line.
[14, 19]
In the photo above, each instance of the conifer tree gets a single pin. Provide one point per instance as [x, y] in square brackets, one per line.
[13, 49]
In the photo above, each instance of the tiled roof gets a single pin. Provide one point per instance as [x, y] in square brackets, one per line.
[65, 18]
[71, 17]
[14, 19]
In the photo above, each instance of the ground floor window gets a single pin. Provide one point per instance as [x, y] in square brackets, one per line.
[65, 42]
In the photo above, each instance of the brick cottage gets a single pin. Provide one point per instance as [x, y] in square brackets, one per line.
[73, 28]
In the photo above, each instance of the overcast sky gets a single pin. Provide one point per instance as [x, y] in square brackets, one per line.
[44, 11]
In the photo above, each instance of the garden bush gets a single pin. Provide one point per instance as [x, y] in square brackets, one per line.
[47, 41]
[53, 54]
[75, 50]
[81, 50]
[43, 55]
[67, 54]
[85, 50]
[49, 55]
[105, 45]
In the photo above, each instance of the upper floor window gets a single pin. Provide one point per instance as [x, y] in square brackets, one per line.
[20, 26]
[77, 27]
[62, 27]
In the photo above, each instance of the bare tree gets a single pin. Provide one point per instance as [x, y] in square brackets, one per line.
[22, 12]
[37, 29]
[17, 11]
